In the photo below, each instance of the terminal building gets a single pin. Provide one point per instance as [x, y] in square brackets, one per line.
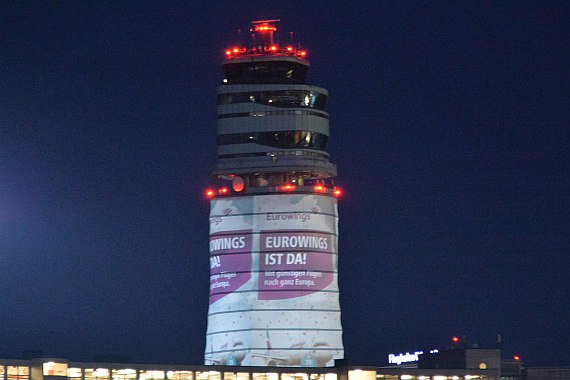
[273, 246]
[459, 364]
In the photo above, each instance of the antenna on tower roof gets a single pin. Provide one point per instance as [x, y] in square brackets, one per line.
[264, 41]
[265, 21]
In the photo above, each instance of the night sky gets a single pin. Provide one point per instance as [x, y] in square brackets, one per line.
[449, 126]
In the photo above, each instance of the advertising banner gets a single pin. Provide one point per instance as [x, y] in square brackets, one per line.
[273, 281]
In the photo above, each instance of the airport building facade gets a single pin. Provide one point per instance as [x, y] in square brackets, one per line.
[58, 369]
[439, 367]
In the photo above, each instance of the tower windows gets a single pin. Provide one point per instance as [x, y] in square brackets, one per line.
[281, 153]
[285, 71]
[281, 99]
[278, 139]
[273, 113]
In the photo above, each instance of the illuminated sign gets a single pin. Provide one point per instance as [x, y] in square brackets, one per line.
[273, 281]
[407, 357]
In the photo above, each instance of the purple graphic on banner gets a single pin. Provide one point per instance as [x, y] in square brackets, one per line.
[294, 264]
[230, 262]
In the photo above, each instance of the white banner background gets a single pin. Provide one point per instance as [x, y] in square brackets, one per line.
[256, 240]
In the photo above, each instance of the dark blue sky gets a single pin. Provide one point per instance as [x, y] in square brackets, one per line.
[449, 125]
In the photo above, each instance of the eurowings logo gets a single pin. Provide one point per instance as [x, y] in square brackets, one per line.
[303, 217]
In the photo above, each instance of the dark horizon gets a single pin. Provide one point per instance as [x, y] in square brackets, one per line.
[449, 126]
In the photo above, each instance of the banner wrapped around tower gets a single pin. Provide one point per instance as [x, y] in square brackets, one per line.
[273, 281]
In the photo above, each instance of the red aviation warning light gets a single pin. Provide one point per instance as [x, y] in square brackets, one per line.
[288, 187]
[223, 190]
[337, 192]
[455, 340]
[517, 358]
[210, 193]
[235, 51]
[265, 27]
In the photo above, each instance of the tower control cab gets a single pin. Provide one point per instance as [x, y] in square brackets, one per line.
[273, 128]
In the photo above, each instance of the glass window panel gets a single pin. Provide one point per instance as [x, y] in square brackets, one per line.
[124, 374]
[209, 375]
[151, 375]
[54, 369]
[18, 372]
[294, 376]
[12, 372]
[236, 376]
[96, 373]
[179, 375]
[74, 373]
[265, 376]
[265, 72]
[281, 99]
[278, 139]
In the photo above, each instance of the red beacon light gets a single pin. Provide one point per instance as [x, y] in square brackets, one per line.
[234, 50]
[290, 48]
[517, 358]
[265, 28]
[223, 190]
[273, 48]
[455, 340]
[210, 193]
[288, 187]
[337, 192]
[302, 53]
[319, 188]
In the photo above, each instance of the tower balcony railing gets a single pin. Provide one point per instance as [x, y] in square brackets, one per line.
[267, 50]
[288, 188]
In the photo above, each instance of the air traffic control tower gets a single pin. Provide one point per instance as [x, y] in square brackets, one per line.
[274, 298]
